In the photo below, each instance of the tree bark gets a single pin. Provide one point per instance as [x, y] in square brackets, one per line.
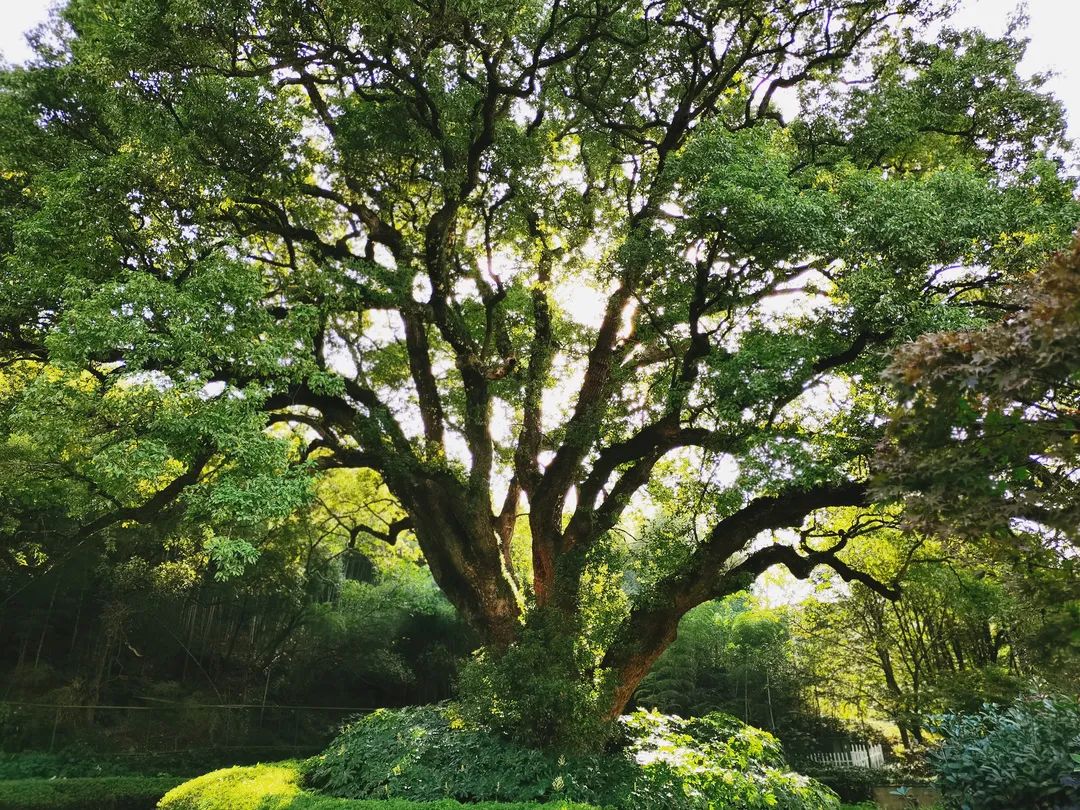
[462, 547]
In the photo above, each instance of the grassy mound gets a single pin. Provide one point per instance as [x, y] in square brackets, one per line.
[662, 762]
[276, 787]
[101, 793]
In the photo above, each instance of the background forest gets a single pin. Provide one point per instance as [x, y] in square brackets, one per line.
[333, 619]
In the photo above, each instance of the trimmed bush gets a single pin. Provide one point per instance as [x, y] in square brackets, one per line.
[276, 787]
[82, 761]
[42, 765]
[662, 762]
[100, 793]
[1025, 755]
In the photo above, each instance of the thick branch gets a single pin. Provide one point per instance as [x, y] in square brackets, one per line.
[390, 536]
[152, 505]
[652, 626]
[803, 565]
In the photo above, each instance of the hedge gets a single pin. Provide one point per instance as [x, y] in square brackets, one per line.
[84, 761]
[98, 792]
[274, 787]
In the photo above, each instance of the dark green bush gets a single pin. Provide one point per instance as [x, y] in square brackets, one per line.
[83, 761]
[534, 693]
[42, 765]
[275, 787]
[850, 783]
[662, 762]
[1026, 754]
[855, 784]
[427, 753]
[100, 793]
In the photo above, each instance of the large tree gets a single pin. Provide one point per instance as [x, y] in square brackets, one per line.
[562, 272]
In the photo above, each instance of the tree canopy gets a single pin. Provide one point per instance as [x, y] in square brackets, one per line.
[601, 316]
[988, 441]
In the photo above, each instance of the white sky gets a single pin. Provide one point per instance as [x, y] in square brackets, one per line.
[1053, 29]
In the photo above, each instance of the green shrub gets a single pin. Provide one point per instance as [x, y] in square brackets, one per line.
[84, 761]
[855, 784]
[275, 787]
[1026, 755]
[850, 783]
[100, 793]
[662, 761]
[534, 693]
[42, 765]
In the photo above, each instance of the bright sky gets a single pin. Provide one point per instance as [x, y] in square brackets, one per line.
[1053, 28]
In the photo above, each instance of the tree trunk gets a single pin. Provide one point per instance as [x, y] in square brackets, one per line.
[45, 625]
[905, 737]
[630, 675]
[643, 640]
[459, 540]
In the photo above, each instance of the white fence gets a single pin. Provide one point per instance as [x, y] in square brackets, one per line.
[862, 756]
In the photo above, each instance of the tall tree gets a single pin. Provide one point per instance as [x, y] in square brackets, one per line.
[944, 643]
[970, 627]
[545, 267]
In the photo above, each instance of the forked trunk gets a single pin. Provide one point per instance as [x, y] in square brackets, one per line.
[459, 540]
